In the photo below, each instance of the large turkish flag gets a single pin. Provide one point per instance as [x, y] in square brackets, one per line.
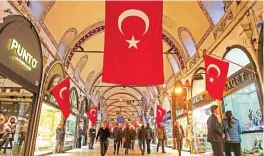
[133, 43]
[159, 114]
[216, 74]
[61, 93]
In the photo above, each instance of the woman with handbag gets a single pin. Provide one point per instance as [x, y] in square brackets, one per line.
[127, 139]
[232, 129]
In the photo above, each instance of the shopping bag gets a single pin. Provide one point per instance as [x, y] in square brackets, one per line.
[124, 139]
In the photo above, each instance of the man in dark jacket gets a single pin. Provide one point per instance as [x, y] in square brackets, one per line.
[79, 137]
[122, 134]
[133, 137]
[178, 135]
[214, 133]
[117, 137]
[104, 134]
[142, 134]
[149, 137]
[92, 133]
[59, 138]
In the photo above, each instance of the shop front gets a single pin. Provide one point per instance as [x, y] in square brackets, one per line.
[201, 102]
[167, 122]
[71, 122]
[50, 115]
[181, 117]
[83, 119]
[20, 79]
[243, 97]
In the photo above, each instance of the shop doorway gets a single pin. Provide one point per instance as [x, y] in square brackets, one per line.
[15, 111]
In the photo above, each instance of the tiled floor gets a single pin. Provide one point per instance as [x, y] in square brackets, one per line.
[84, 151]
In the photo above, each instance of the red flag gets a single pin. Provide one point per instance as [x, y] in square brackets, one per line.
[133, 43]
[216, 73]
[61, 92]
[159, 114]
[92, 114]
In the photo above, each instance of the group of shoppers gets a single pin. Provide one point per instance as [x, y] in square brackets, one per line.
[229, 133]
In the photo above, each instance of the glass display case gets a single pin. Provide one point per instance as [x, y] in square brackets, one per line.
[168, 128]
[70, 128]
[245, 106]
[200, 128]
[50, 118]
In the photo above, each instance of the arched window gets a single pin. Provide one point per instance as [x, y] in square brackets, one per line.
[146, 96]
[150, 93]
[198, 83]
[36, 8]
[215, 9]
[232, 55]
[173, 63]
[89, 79]
[188, 42]
[67, 38]
[80, 65]
[155, 90]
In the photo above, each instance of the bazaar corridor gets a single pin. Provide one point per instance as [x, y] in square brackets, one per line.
[186, 75]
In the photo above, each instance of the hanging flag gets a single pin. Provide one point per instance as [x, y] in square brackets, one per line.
[159, 114]
[133, 43]
[216, 74]
[61, 93]
[92, 115]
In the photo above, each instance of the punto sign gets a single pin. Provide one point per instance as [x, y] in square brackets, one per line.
[22, 55]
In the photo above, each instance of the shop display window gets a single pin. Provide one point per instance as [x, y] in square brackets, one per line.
[15, 108]
[50, 118]
[183, 122]
[245, 106]
[70, 131]
[200, 117]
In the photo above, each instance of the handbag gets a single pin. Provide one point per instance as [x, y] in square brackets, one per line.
[124, 138]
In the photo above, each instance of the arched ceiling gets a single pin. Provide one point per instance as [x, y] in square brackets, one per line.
[80, 18]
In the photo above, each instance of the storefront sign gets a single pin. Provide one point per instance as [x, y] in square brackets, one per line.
[20, 52]
[180, 112]
[239, 78]
[197, 99]
[201, 99]
[23, 56]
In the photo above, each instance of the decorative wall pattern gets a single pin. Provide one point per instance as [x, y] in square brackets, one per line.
[223, 24]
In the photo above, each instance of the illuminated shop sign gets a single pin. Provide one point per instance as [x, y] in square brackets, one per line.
[23, 56]
[197, 99]
[180, 112]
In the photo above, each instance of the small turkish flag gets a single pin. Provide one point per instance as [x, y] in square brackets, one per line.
[61, 93]
[92, 114]
[159, 114]
[133, 43]
[216, 74]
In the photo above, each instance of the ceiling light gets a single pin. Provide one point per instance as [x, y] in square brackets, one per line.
[120, 99]
[178, 90]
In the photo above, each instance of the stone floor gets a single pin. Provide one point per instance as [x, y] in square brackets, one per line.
[84, 151]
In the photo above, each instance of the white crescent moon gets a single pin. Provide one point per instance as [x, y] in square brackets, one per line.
[61, 91]
[159, 112]
[93, 110]
[133, 12]
[216, 67]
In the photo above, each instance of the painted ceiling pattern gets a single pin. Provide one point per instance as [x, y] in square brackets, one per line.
[80, 26]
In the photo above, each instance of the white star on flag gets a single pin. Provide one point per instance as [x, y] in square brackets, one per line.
[132, 42]
[211, 79]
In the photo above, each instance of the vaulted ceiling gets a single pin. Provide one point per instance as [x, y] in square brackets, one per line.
[72, 24]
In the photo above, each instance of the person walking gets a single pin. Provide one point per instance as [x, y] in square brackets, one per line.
[92, 135]
[178, 135]
[104, 134]
[133, 135]
[117, 137]
[214, 133]
[59, 138]
[79, 137]
[121, 136]
[142, 134]
[161, 135]
[127, 139]
[149, 137]
[232, 129]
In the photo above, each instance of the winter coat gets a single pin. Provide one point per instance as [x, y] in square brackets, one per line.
[133, 134]
[128, 136]
[59, 134]
[104, 134]
[232, 134]
[161, 133]
[142, 133]
[149, 133]
[80, 133]
[92, 132]
[177, 134]
[214, 132]
[117, 133]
